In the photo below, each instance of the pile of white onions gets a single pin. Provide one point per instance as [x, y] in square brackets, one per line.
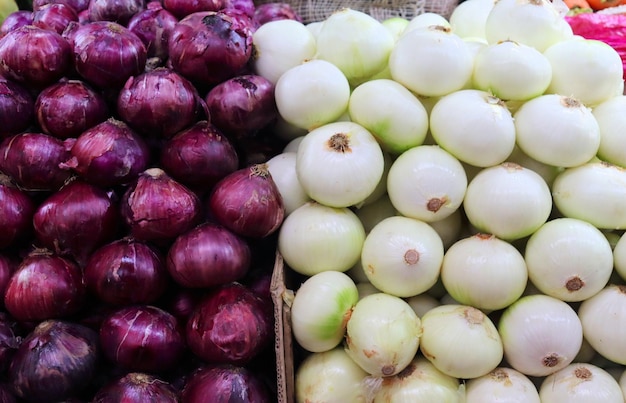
[455, 205]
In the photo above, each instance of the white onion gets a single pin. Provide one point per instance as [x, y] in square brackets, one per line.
[420, 381]
[593, 192]
[622, 381]
[611, 118]
[449, 228]
[569, 259]
[339, 164]
[392, 113]
[536, 23]
[293, 145]
[602, 317]
[512, 71]
[473, 126]
[396, 25]
[282, 167]
[320, 310]
[402, 256]
[425, 20]
[547, 172]
[501, 385]
[586, 69]
[366, 288]
[426, 183]
[316, 238]
[355, 42]
[540, 334]
[484, 271]
[332, 377]
[580, 383]
[381, 188]
[314, 27]
[383, 334]
[557, 130]
[469, 17]
[312, 94]
[280, 45]
[619, 257]
[461, 341]
[508, 201]
[422, 303]
[372, 213]
[431, 61]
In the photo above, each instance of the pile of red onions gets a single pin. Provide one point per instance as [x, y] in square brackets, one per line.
[139, 217]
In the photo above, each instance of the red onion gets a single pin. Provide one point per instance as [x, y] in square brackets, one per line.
[16, 213]
[15, 20]
[54, 362]
[6, 393]
[109, 154]
[248, 202]
[159, 102]
[154, 26]
[77, 5]
[199, 156]
[181, 302]
[227, 383]
[17, 105]
[120, 11]
[242, 104]
[230, 45]
[106, 53]
[230, 325]
[9, 342]
[44, 286]
[246, 6]
[34, 56]
[267, 12]
[137, 387]
[76, 220]
[158, 208]
[142, 338]
[207, 256]
[182, 8]
[32, 160]
[69, 107]
[54, 17]
[126, 272]
[8, 265]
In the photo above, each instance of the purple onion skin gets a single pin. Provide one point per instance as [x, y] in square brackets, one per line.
[69, 107]
[242, 105]
[8, 265]
[109, 154]
[137, 387]
[54, 17]
[6, 393]
[127, 272]
[207, 256]
[76, 220]
[199, 156]
[77, 5]
[120, 11]
[274, 11]
[56, 361]
[181, 302]
[106, 53]
[15, 20]
[230, 325]
[246, 6]
[157, 208]
[9, 342]
[159, 103]
[17, 106]
[183, 8]
[247, 202]
[230, 44]
[225, 383]
[154, 26]
[32, 160]
[142, 338]
[44, 286]
[16, 214]
[34, 56]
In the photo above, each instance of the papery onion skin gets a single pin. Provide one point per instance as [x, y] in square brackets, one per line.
[78, 5]
[106, 53]
[248, 202]
[9, 341]
[136, 387]
[76, 220]
[224, 383]
[207, 256]
[230, 325]
[126, 272]
[68, 108]
[54, 17]
[142, 338]
[15, 20]
[17, 105]
[157, 208]
[273, 11]
[502, 383]
[181, 8]
[580, 382]
[120, 11]
[8, 264]
[199, 157]
[153, 26]
[44, 286]
[16, 214]
[55, 361]
[159, 103]
[34, 56]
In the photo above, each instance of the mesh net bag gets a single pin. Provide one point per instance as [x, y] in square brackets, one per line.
[318, 10]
